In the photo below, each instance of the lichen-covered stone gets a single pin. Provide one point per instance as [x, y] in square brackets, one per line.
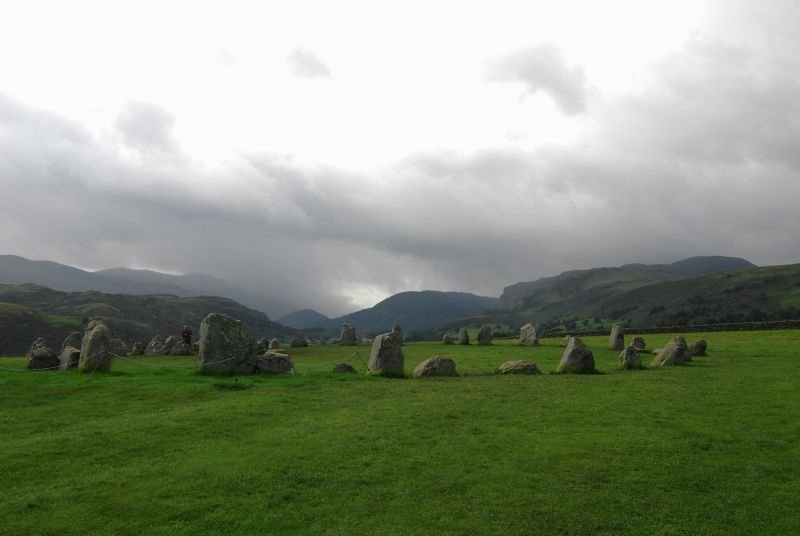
[674, 353]
[698, 348]
[520, 366]
[226, 346]
[274, 363]
[41, 357]
[576, 359]
[528, 335]
[386, 357]
[436, 366]
[95, 347]
[629, 358]
[616, 341]
[69, 358]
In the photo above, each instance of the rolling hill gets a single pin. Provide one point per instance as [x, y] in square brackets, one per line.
[305, 318]
[30, 311]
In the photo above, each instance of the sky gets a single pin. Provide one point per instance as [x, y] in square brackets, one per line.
[331, 154]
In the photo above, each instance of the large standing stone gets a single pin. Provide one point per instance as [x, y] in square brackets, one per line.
[181, 348]
[638, 343]
[463, 336]
[629, 358]
[485, 336]
[95, 348]
[74, 339]
[226, 346]
[119, 347]
[69, 358]
[447, 339]
[528, 335]
[275, 363]
[518, 367]
[170, 343]
[698, 348]
[41, 357]
[298, 342]
[274, 344]
[674, 353]
[616, 341]
[137, 348]
[386, 357]
[576, 359]
[436, 366]
[156, 346]
[348, 335]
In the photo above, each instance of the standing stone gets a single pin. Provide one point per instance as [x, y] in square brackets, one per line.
[463, 336]
[485, 336]
[274, 344]
[397, 329]
[518, 367]
[95, 348]
[69, 358]
[74, 339]
[616, 341]
[447, 339]
[137, 348]
[386, 357]
[630, 359]
[348, 335]
[674, 353]
[170, 343]
[576, 359]
[298, 342]
[344, 368]
[262, 345]
[119, 347]
[698, 348]
[41, 357]
[181, 348]
[275, 363]
[156, 346]
[226, 346]
[436, 366]
[638, 343]
[528, 335]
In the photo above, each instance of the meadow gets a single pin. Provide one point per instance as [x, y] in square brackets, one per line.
[711, 447]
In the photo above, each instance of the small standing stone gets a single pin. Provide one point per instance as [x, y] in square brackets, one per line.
[275, 363]
[156, 346]
[463, 336]
[698, 348]
[348, 335]
[298, 342]
[485, 336]
[74, 339]
[518, 367]
[616, 341]
[674, 353]
[397, 329]
[447, 339]
[528, 335]
[386, 357]
[41, 357]
[69, 358]
[274, 344]
[95, 348]
[630, 359]
[638, 343]
[137, 348]
[577, 358]
[436, 366]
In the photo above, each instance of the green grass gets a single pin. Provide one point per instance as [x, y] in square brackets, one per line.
[707, 448]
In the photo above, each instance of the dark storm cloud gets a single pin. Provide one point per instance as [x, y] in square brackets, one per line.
[543, 68]
[306, 64]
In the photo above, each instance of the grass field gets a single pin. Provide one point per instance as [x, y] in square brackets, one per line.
[708, 448]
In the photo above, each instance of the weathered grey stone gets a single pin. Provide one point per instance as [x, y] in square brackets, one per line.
[485, 336]
[275, 344]
[518, 367]
[629, 358]
[528, 335]
[119, 347]
[386, 357]
[226, 346]
[181, 348]
[69, 358]
[674, 353]
[447, 339]
[698, 348]
[463, 336]
[616, 341]
[348, 335]
[274, 363]
[170, 343]
[344, 368]
[397, 329]
[137, 348]
[638, 343]
[262, 345]
[41, 357]
[576, 359]
[298, 342]
[156, 346]
[436, 366]
[95, 356]
[74, 339]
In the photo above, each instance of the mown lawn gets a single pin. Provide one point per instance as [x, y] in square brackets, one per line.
[708, 448]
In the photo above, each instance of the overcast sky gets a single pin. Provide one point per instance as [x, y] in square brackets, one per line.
[334, 153]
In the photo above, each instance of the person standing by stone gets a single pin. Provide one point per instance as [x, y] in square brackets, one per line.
[186, 335]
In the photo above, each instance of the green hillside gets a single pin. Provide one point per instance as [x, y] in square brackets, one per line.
[31, 311]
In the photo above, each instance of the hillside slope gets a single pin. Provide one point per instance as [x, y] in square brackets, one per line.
[305, 318]
[34, 310]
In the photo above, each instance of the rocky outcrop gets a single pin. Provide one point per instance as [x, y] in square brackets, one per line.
[518, 367]
[436, 366]
[576, 359]
[95, 347]
[386, 357]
